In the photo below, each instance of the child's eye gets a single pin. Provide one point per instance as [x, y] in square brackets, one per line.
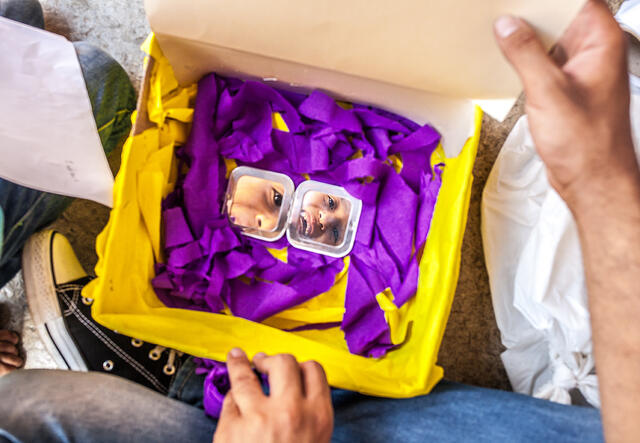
[336, 235]
[332, 203]
[277, 198]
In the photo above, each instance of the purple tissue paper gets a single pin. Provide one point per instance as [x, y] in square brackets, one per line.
[210, 265]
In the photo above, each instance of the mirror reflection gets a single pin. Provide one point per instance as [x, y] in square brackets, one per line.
[323, 218]
[256, 203]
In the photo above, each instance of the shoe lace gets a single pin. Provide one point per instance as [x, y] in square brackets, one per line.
[156, 353]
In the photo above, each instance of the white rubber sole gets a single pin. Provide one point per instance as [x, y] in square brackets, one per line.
[43, 302]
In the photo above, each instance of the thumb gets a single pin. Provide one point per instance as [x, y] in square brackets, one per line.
[522, 48]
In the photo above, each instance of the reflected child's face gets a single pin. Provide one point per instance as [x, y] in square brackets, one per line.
[256, 203]
[323, 218]
[316, 217]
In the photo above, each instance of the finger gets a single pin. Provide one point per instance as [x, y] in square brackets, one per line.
[559, 55]
[228, 420]
[9, 336]
[11, 360]
[8, 348]
[283, 370]
[314, 380]
[230, 409]
[594, 24]
[247, 392]
[522, 48]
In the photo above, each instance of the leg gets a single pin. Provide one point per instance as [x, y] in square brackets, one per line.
[28, 12]
[112, 96]
[26, 210]
[113, 409]
[80, 406]
[454, 412]
[187, 386]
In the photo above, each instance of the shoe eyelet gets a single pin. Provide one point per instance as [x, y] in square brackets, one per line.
[136, 342]
[107, 365]
[87, 301]
[169, 370]
[154, 355]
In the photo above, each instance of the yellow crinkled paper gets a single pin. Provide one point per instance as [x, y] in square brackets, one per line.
[132, 241]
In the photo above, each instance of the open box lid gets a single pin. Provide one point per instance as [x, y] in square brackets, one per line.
[428, 60]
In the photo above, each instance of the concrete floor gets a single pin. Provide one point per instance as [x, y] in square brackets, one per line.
[471, 348]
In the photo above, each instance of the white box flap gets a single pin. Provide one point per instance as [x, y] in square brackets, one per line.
[424, 52]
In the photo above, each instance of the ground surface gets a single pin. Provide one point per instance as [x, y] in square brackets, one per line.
[471, 348]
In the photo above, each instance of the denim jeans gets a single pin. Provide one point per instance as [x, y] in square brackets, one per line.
[67, 406]
[112, 99]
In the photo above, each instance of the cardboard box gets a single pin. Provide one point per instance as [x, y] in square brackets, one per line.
[226, 37]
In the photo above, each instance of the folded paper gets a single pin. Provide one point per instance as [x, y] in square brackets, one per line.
[48, 136]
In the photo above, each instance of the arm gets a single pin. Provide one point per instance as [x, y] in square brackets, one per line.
[578, 109]
[609, 226]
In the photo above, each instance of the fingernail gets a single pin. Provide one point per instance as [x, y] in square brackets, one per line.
[236, 352]
[259, 355]
[506, 25]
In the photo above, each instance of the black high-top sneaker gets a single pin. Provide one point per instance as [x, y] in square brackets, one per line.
[54, 280]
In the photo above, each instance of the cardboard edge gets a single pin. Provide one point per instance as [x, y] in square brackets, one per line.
[450, 116]
[142, 122]
[123, 322]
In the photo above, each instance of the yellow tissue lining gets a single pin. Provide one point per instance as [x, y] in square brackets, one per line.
[131, 242]
[278, 122]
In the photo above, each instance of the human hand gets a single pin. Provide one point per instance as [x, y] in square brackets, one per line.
[9, 355]
[577, 102]
[298, 408]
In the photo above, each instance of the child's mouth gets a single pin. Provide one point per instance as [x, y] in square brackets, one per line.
[307, 224]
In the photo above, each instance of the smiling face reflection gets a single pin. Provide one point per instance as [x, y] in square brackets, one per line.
[256, 203]
[323, 218]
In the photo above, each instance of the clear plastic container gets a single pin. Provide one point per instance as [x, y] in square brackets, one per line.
[324, 219]
[259, 202]
[317, 217]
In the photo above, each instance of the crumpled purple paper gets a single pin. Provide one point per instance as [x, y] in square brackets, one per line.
[216, 384]
[210, 265]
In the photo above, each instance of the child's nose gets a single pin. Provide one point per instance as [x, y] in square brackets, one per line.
[325, 219]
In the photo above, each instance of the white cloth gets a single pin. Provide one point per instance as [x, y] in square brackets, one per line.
[537, 281]
[536, 274]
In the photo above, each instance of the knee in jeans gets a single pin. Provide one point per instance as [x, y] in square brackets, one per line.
[22, 391]
[103, 75]
[36, 404]
[28, 12]
[93, 59]
[98, 64]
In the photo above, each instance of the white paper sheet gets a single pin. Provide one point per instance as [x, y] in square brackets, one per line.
[48, 136]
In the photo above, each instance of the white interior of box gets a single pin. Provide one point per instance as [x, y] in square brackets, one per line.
[428, 60]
